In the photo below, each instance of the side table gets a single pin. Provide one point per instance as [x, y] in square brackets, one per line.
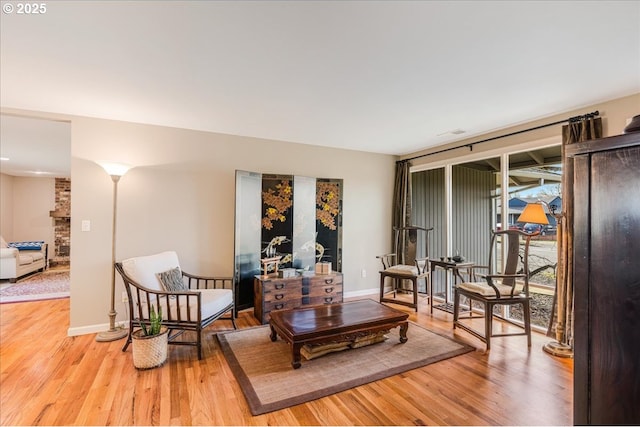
[455, 268]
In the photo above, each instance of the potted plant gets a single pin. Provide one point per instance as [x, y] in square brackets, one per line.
[150, 342]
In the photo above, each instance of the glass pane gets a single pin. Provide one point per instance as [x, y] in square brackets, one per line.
[475, 187]
[247, 235]
[533, 181]
[428, 210]
[304, 223]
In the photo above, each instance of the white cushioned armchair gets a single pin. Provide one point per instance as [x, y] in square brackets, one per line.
[188, 302]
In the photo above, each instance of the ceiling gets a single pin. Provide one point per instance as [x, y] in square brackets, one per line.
[376, 76]
[35, 147]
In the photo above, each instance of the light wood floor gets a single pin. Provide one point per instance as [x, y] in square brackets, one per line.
[48, 378]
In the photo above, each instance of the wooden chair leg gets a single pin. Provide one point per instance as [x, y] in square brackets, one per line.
[456, 306]
[233, 318]
[488, 323]
[415, 293]
[126, 344]
[429, 285]
[397, 284]
[526, 308]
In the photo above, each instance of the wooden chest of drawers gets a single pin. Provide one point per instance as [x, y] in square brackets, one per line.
[274, 293]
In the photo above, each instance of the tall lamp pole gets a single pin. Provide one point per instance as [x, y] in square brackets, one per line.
[534, 213]
[557, 348]
[115, 170]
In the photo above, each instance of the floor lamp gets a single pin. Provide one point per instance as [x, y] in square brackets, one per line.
[115, 170]
[534, 213]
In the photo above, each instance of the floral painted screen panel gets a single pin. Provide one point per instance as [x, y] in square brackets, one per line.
[277, 218]
[329, 222]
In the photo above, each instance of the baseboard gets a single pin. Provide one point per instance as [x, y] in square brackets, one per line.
[94, 329]
[361, 293]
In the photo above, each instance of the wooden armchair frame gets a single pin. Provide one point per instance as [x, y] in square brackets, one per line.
[504, 293]
[398, 271]
[175, 319]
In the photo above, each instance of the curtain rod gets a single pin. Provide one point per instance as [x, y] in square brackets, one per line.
[471, 144]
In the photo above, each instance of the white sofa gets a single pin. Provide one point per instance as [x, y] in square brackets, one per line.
[15, 263]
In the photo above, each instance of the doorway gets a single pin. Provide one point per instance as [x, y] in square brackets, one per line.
[36, 193]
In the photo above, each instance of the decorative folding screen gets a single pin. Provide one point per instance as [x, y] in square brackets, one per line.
[299, 218]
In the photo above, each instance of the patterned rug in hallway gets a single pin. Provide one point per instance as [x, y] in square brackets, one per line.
[47, 285]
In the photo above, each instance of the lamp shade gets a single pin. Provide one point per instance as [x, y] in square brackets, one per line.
[534, 214]
[115, 169]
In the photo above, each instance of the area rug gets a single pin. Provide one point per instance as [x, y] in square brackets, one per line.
[263, 368]
[40, 286]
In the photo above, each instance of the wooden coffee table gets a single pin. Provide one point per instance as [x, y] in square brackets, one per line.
[328, 323]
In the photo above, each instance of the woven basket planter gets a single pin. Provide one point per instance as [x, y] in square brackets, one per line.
[149, 351]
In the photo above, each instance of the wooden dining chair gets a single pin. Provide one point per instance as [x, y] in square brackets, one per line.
[404, 266]
[509, 287]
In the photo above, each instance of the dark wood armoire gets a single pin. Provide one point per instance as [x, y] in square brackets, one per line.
[607, 280]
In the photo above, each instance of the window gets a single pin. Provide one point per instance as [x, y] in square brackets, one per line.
[464, 201]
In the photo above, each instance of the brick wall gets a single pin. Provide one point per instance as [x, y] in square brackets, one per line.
[62, 226]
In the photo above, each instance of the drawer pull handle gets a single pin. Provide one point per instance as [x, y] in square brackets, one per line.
[279, 285]
[328, 290]
[279, 296]
[279, 306]
[328, 281]
[328, 299]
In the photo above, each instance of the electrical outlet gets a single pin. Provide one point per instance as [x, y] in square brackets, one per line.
[125, 298]
[363, 273]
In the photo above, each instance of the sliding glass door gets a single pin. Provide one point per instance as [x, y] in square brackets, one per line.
[465, 201]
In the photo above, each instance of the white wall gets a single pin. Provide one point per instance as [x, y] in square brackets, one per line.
[180, 196]
[33, 198]
[6, 207]
[26, 202]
